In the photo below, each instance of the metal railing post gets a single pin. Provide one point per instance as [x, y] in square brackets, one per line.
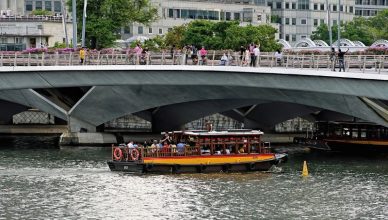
[14, 61]
[214, 55]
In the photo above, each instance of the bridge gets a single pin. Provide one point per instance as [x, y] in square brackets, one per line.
[169, 96]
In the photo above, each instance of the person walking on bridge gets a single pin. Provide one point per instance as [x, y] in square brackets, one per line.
[341, 59]
[82, 56]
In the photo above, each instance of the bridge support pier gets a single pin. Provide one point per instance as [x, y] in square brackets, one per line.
[81, 133]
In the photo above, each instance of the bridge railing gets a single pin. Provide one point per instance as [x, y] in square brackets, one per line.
[362, 63]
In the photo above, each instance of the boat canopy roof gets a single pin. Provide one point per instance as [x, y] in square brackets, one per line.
[239, 132]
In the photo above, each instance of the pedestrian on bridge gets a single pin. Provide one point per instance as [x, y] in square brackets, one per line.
[341, 59]
[332, 59]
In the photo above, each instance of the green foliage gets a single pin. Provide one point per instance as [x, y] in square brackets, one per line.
[175, 36]
[41, 12]
[59, 45]
[366, 30]
[105, 17]
[222, 35]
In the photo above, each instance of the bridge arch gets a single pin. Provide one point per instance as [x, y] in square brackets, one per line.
[380, 43]
[285, 44]
[345, 42]
[305, 42]
[320, 43]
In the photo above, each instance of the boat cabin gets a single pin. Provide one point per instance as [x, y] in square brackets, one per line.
[197, 143]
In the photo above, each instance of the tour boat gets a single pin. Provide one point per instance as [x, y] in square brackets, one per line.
[347, 136]
[198, 152]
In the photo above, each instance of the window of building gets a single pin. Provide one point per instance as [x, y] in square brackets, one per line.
[170, 13]
[303, 37]
[28, 5]
[373, 12]
[150, 30]
[18, 40]
[48, 6]
[287, 5]
[303, 21]
[358, 12]
[315, 22]
[287, 37]
[160, 31]
[269, 4]
[322, 21]
[4, 40]
[228, 16]
[350, 9]
[358, 2]
[127, 30]
[303, 4]
[38, 5]
[287, 21]
[341, 8]
[322, 7]
[293, 21]
[293, 5]
[259, 17]
[57, 6]
[315, 6]
[334, 22]
[334, 7]
[140, 30]
[293, 36]
[365, 13]
[236, 16]
[278, 5]
[169, 29]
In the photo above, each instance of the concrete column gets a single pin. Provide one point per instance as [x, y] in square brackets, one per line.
[78, 125]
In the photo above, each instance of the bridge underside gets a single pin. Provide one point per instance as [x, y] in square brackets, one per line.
[169, 107]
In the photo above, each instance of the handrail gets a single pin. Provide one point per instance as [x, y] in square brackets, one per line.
[361, 63]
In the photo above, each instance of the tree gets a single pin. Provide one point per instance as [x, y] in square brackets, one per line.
[264, 35]
[41, 12]
[175, 36]
[106, 17]
[322, 33]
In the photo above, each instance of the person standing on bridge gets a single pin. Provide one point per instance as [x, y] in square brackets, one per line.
[341, 59]
[332, 59]
[82, 56]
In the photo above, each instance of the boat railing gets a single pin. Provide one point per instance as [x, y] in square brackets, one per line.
[123, 153]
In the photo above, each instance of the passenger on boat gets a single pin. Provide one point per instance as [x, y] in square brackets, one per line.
[130, 145]
[208, 125]
[166, 138]
[180, 147]
[241, 150]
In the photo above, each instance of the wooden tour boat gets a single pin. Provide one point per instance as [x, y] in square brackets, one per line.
[199, 152]
[347, 136]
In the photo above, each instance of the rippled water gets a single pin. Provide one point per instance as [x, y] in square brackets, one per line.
[44, 182]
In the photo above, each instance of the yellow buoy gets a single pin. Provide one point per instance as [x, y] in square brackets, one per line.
[305, 171]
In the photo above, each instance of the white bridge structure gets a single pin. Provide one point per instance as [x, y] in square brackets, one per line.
[320, 45]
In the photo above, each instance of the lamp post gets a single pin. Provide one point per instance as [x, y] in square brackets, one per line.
[74, 15]
[329, 23]
[339, 24]
[84, 23]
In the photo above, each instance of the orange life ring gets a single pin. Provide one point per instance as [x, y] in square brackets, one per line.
[118, 154]
[135, 154]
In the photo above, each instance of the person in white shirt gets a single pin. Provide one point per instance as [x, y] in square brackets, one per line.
[278, 56]
[224, 60]
[256, 52]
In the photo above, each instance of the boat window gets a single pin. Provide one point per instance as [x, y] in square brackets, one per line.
[354, 132]
[346, 132]
[363, 133]
[338, 131]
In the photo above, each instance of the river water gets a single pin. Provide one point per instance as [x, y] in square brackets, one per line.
[40, 181]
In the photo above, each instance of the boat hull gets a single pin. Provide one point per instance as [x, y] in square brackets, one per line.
[198, 164]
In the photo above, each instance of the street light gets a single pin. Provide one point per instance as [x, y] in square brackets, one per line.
[339, 24]
[84, 23]
[74, 15]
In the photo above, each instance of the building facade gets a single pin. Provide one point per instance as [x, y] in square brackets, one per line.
[368, 8]
[20, 30]
[177, 12]
[298, 19]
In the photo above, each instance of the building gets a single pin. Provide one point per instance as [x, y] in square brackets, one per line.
[177, 12]
[298, 19]
[20, 30]
[368, 8]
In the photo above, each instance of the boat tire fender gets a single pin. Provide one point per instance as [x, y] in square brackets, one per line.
[134, 154]
[176, 168]
[118, 154]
